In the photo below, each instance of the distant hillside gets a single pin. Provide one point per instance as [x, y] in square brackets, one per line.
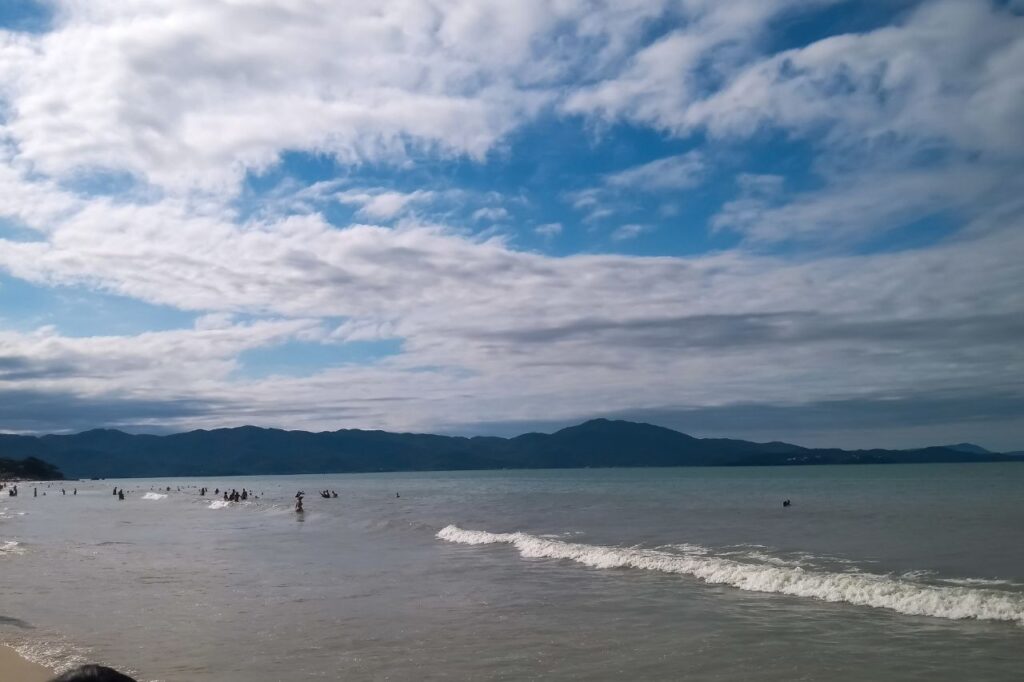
[597, 443]
[968, 447]
[28, 469]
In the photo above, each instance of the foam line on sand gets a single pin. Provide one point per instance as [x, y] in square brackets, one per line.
[14, 668]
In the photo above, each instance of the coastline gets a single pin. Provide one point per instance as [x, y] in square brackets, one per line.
[15, 668]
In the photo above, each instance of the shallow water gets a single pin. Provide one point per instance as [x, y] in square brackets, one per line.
[911, 572]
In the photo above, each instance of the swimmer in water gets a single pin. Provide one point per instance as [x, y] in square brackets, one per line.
[298, 506]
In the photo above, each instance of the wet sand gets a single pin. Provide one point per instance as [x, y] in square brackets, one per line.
[14, 668]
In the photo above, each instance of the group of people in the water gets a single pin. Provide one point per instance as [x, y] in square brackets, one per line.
[325, 493]
[13, 490]
[234, 495]
[229, 496]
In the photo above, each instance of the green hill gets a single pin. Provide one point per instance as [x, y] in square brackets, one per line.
[596, 443]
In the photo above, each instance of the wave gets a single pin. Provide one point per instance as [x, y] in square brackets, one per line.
[11, 547]
[861, 589]
[978, 581]
[58, 656]
[154, 496]
[219, 504]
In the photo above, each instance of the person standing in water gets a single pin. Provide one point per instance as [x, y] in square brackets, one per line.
[120, 494]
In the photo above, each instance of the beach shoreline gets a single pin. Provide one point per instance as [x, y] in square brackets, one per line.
[15, 668]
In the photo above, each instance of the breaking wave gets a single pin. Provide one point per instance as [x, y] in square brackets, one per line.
[154, 496]
[219, 504]
[978, 581]
[11, 547]
[861, 589]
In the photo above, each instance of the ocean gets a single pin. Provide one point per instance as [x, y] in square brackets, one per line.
[897, 572]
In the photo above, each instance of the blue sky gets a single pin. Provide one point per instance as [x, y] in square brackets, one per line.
[771, 219]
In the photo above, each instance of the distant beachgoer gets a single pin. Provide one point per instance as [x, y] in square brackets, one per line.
[63, 492]
[115, 490]
[334, 493]
[35, 492]
[216, 491]
[120, 494]
[298, 506]
[76, 492]
[786, 503]
[92, 673]
[397, 495]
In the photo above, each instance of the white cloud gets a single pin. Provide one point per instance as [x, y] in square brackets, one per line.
[665, 175]
[948, 74]
[630, 231]
[921, 115]
[186, 361]
[480, 321]
[380, 204]
[672, 172]
[944, 76]
[492, 214]
[548, 230]
[191, 94]
[656, 83]
[853, 207]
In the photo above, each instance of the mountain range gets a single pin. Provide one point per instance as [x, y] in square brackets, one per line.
[246, 450]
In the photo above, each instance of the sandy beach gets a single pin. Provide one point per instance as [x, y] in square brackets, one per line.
[14, 668]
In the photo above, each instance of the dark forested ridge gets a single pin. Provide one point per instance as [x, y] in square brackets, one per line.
[596, 443]
[28, 469]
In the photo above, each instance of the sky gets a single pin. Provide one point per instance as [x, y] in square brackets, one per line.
[765, 219]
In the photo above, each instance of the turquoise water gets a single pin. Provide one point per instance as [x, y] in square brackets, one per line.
[912, 572]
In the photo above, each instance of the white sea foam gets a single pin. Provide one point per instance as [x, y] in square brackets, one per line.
[219, 504]
[154, 496]
[59, 656]
[862, 589]
[11, 547]
[977, 581]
